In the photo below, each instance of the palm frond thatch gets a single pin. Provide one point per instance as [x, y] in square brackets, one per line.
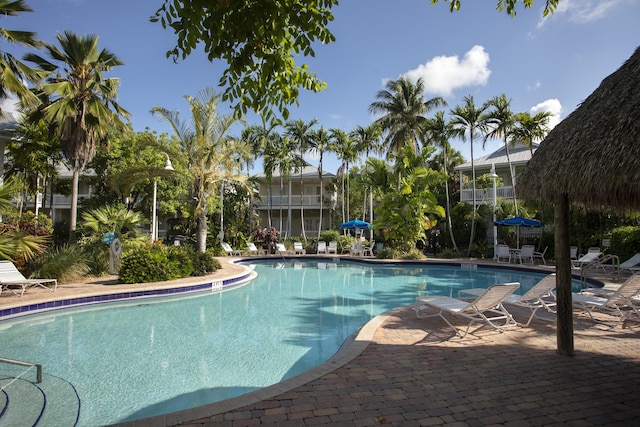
[593, 154]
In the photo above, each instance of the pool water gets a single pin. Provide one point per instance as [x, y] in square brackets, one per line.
[147, 357]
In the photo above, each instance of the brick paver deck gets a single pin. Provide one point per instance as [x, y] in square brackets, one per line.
[414, 373]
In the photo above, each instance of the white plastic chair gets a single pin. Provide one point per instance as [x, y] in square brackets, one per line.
[541, 255]
[526, 254]
[298, 249]
[333, 247]
[322, 247]
[503, 252]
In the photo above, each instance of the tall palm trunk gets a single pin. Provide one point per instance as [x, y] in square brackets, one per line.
[513, 178]
[201, 232]
[281, 185]
[73, 215]
[473, 210]
[448, 203]
[304, 234]
[321, 198]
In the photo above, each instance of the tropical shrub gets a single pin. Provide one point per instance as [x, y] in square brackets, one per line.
[96, 255]
[204, 263]
[67, 263]
[154, 263]
[330, 236]
[625, 242]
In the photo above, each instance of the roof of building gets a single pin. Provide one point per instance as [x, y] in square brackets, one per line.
[307, 172]
[519, 155]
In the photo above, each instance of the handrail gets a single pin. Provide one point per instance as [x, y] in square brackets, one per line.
[20, 363]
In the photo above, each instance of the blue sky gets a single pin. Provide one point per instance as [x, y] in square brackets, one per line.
[550, 63]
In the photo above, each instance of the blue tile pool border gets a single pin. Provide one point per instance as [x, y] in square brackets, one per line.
[208, 286]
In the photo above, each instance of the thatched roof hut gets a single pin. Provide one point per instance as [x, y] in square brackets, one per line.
[593, 155]
[591, 158]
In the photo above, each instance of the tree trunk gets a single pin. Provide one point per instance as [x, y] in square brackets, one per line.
[321, 203]
[473, 210]
[563, 278]
[73, 215]
[447, 212]
[513, 178]
[201, 232]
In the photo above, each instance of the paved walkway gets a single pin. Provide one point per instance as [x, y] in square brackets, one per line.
[414, 373]
[405, 371]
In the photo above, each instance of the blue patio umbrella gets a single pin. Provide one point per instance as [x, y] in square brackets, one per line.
[354, 224]
[520, 222]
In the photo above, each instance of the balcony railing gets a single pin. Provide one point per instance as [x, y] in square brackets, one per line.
[485, 196]
[311, 202]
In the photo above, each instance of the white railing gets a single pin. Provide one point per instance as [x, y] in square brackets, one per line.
[307, 201]
[486, 195]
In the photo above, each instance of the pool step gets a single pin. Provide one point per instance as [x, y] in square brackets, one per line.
[54, 401]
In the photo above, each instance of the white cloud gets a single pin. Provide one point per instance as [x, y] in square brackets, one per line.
[536, 85]
[444, 74]
[551, 105]
[10, 106]
[581, 11]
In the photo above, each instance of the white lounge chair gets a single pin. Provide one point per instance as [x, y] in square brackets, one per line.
[298, 249]
[503, 252]
[333, 247]
[586, 259]
[230, 252]
[541, 255]
[621, 303]
[486, 308]
[539, 296]
[10, 277]
[281, 249]
[322, 247]
[573, 251]
[631, 265]
[252, 248]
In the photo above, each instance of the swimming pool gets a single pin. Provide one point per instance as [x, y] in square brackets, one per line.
[132, 360]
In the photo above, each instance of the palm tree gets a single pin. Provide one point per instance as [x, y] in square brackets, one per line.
[320, 142]
[403, 107]
[469, 120]
[501, 122]
[299, 132]
[530, 129]
[261, 139]
[439, 132]
[13, 71]
[367, 140]
[82, 104]
[346, 149]
[205, 145]
[281, 154]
